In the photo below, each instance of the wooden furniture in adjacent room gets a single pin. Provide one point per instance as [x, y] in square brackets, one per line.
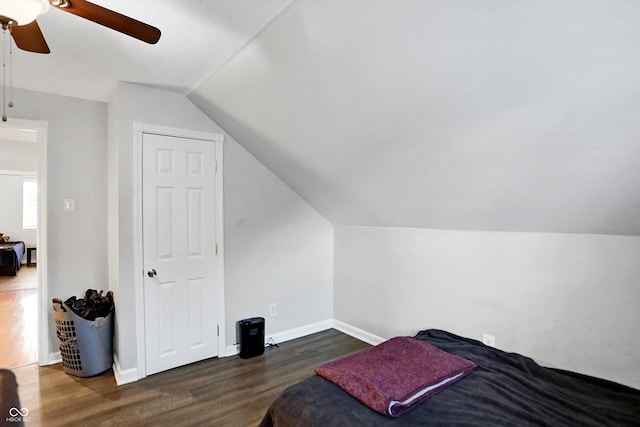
[30, 249]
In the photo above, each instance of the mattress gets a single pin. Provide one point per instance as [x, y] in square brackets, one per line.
[503, 389]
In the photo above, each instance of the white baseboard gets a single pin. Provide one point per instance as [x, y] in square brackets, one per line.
[300, 332]
[54, 358]
[291, 334]
[123, 376]
[231, 350]
[357, 333]
[131, 375]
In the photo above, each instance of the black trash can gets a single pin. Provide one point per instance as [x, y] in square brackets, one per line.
[251, 337]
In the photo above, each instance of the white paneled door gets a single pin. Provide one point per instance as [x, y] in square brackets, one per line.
[179, 238]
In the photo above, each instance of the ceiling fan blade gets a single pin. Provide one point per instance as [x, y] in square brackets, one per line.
[29, 37]
[110, 19]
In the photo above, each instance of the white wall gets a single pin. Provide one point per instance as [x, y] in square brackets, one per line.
[460, 114]
[568, 301]
[260, 212]
[277, 248]
[76, 168]
[17, 158]
[11, 211]
[132, 103]
[20, 156]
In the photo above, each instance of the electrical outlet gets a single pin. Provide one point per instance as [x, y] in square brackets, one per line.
[489, 340]
[273, 309]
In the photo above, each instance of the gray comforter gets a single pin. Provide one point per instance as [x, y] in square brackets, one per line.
[505, 389]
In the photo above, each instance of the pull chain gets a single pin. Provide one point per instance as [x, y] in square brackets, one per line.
[10, 69]
[4, 73]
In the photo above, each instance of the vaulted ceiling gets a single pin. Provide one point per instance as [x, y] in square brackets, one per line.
[87, 60]
[461, 114]
[483, 115]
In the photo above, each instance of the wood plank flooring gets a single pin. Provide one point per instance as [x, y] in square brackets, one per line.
[217, 392]
[18, 328]
[19, 318]
[27, 278]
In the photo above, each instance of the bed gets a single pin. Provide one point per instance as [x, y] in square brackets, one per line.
[10, 409]
[11, 254]
[503, 389]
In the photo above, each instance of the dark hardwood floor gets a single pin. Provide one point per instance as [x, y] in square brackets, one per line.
[218, 392]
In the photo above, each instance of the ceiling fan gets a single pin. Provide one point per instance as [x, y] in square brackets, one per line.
[19, 17]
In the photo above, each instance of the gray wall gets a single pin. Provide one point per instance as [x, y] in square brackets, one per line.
[567, 300]
[490, 115]
[76, 168]
[494, 115]
[277, 248]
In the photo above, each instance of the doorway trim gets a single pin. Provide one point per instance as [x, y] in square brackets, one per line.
[41, 128]
[139, 129]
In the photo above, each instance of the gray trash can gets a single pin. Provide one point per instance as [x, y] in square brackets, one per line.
[86, 346]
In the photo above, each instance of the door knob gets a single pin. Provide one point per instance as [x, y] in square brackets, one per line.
[151, 272]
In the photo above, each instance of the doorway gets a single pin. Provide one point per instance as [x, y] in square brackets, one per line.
[25, 294]
[180, 297]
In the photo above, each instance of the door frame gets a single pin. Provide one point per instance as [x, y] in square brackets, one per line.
[41, 127]
[139, 129]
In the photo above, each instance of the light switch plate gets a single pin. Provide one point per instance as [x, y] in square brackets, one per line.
[69, 205]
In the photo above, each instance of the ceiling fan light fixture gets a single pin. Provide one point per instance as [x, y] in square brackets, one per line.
[23, 12]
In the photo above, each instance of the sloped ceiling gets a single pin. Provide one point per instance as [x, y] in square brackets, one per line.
[88, 60]
[460, 114]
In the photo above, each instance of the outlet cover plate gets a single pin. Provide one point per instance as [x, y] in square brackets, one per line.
[489, 340]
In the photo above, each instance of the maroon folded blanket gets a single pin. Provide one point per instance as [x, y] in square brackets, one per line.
[393, 377]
